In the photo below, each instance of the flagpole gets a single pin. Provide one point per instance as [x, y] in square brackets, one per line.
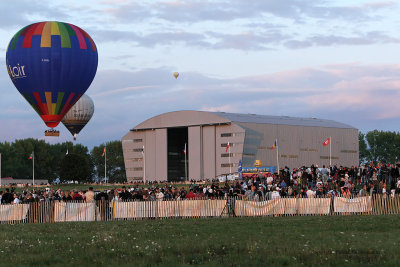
[33, 168]
[105, 163]
[330, 152]
[144, 166]
[186, 164]
[229, 151]
[0, 170]
[277, 154]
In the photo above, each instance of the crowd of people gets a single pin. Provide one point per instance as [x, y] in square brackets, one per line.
[306, 182]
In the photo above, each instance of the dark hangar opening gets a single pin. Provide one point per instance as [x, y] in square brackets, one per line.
[177, 138]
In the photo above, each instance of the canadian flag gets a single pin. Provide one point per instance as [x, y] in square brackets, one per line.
[227, 147]
[327, 142]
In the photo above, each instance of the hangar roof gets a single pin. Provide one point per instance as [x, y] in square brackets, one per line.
[268, 119]
[186, 118]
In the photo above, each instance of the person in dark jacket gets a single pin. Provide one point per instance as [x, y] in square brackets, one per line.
[7, 197]
[125, 194]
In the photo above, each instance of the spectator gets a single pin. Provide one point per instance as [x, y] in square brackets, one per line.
[310, 193]
[89, 195]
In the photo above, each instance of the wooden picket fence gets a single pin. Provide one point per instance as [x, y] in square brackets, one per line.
[58, 211]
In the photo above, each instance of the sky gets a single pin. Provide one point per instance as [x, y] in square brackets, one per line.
[334, 60]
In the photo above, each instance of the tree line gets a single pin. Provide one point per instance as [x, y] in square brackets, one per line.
[378, 145]
[66, 161]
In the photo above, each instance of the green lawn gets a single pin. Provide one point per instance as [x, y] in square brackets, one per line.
[310, 240]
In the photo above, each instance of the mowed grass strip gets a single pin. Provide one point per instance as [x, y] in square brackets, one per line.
[354, 240]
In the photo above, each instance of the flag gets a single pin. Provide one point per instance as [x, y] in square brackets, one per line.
[31, 156]
[143, 150]
[184, 150]
[275, 144]
[104, 152]
[327, 142]
[227, 147]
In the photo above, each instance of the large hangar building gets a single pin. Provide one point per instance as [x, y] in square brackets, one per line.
[155, 149]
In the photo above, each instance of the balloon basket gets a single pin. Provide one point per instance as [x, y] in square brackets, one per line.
[51, 132]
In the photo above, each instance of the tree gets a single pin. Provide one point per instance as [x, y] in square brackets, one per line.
[75, 167]
[383, 146]
[115, 161]
[48, 158]
[364, 154]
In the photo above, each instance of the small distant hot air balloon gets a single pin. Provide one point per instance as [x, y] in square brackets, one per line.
[79, 115]
[176, 74]
[52, 64]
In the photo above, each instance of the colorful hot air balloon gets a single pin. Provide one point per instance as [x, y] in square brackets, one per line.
[51, 64]
[176, 74]
[79, 115]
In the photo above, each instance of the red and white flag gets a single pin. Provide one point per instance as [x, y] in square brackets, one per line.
[327, 142]
[227, 147]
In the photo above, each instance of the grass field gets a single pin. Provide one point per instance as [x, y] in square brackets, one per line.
[348, 240]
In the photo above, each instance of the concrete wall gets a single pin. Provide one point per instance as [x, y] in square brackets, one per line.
[161, 155]
[195, 153]
[236, 148]
[209, 152]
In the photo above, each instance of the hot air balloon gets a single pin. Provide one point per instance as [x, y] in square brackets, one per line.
[52, 64]
[79, 115]
[176, 74]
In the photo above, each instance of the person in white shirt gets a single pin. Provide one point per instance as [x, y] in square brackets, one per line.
[159, 195]
[310, 193]
[16, 199]
[275, 194]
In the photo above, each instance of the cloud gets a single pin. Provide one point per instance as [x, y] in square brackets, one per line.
[195, 11]
[357, 94]
[24, 12]
[373, 37]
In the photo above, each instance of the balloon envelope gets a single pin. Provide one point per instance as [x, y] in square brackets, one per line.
[51, 64]
[176, 74]
[79, 115]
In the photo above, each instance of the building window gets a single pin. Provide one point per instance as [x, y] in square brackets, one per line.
[229, 165]
[231, 134]
[309, 149]
[348, 151]
[139, 140]
[248, 155]
[327, 157]
[138, 169]
[137, 178]
[290, 156]
[134, 159]
[230, 144]
[138, 150]
[225, 155]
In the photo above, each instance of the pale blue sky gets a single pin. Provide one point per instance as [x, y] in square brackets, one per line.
[328, 59]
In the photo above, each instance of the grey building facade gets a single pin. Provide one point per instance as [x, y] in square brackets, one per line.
[155, 149]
